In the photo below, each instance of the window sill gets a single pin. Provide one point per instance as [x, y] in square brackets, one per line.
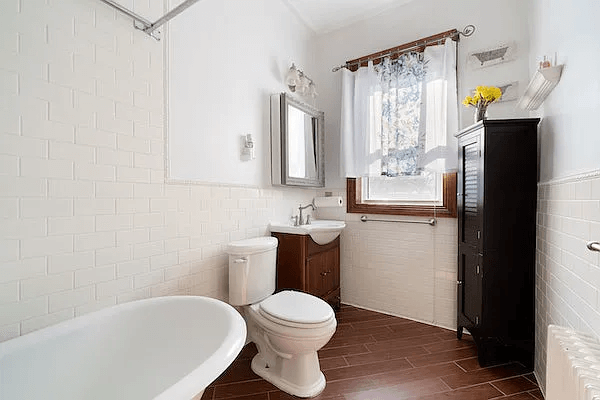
[447, 210]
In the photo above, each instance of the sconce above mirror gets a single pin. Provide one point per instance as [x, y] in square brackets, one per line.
[297, 143]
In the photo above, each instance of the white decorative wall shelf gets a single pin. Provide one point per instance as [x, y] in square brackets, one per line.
[542, 83]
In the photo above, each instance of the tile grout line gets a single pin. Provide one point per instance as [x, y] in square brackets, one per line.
[458, 365]
[498, 389]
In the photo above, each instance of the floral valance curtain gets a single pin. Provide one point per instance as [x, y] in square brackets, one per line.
[399, 93]
[400, 117]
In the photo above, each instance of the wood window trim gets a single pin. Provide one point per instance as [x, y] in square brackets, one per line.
[447, 210]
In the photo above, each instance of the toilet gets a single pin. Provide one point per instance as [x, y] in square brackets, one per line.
[288, 327]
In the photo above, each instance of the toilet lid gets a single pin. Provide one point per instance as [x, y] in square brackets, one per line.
[251, 246]
[297, 307]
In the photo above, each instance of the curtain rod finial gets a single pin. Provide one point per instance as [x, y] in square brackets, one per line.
[468, 30]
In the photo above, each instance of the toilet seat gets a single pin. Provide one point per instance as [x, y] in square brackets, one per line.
[296, 309]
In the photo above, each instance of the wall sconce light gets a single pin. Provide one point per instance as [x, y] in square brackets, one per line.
[299, 83]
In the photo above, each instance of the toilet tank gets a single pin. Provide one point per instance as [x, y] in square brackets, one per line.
[252, 266]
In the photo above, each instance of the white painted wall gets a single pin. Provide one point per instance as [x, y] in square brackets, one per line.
[226, 58]
[86, 220]
[568, 275]
[569, 138]
[405, 269]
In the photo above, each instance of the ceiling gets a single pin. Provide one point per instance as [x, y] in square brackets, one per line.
[327, 15]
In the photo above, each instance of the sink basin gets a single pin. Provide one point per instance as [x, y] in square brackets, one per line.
[322, 231]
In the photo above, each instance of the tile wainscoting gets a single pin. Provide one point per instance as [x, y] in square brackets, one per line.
[567, 273]
[406, 270]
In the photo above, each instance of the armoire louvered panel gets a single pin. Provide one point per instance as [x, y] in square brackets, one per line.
[470, 193]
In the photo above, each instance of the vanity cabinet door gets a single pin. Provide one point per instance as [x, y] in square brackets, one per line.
[332, 262]
[323, 272]
[318, 274]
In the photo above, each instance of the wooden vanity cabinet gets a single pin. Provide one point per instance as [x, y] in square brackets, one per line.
[307, 266]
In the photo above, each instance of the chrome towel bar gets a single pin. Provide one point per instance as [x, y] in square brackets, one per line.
[431, 221]
[593, 246]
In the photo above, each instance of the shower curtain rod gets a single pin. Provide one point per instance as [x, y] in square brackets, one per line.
[143, 24]
[467, 31]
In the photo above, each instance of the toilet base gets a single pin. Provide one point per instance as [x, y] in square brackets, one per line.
[260, 368]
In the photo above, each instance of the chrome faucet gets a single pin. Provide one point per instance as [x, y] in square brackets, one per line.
[301, 221]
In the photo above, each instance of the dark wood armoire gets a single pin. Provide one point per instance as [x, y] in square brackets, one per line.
[496, 199]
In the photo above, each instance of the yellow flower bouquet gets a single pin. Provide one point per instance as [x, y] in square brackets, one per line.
[482, 97]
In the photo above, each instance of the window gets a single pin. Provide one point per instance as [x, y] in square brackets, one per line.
[424, 188]
[395, 133]
[447, 208]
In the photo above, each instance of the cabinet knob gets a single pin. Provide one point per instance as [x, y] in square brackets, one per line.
[324, 273]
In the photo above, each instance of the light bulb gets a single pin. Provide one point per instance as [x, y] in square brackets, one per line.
[302, 86]
[292, 78]
[312, 90]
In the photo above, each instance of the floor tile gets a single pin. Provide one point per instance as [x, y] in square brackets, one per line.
[448, 345]
[520, 396]
[397, 342]
[361, 325]
[346, 386]
[207, 395]
[402, 391]
[348, 332]
[479, 392]
[514, 385]
[349, 340]
[537, 393]
[378, 357]
[248, 351]
[390, 354]
[531, 377]
[334, 362]
[415, 374]
[343, 351]
[469, 364]
[355, 371]
[444, 356]
[238, 389]
[483, 375]
[238, 371]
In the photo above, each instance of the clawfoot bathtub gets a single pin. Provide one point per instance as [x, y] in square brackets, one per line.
[160, 348]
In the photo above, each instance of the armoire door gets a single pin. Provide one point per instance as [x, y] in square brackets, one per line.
[470, 221]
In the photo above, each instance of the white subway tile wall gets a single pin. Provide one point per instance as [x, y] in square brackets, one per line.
[567, 273]
[402, 269]
[86, 220]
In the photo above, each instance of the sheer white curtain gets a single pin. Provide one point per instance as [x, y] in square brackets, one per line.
[358, 120]
[441, 109]
[363, 117]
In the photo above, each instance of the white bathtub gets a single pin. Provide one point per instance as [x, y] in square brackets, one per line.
[165, 348]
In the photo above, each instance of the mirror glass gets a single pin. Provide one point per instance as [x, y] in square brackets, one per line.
[297, 143]
[301, 144]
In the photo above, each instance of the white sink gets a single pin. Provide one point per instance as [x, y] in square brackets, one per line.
[322, 231]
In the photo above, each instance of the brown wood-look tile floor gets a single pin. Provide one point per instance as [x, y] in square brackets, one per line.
[373, 356]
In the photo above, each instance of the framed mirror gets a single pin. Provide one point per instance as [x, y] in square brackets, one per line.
[297, 143]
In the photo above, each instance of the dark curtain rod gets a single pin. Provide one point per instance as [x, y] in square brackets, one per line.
[405, 48]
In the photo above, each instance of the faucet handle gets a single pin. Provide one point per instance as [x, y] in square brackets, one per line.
[307, 219]
[294, 220]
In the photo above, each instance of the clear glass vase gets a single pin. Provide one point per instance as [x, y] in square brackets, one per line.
[480, 113]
